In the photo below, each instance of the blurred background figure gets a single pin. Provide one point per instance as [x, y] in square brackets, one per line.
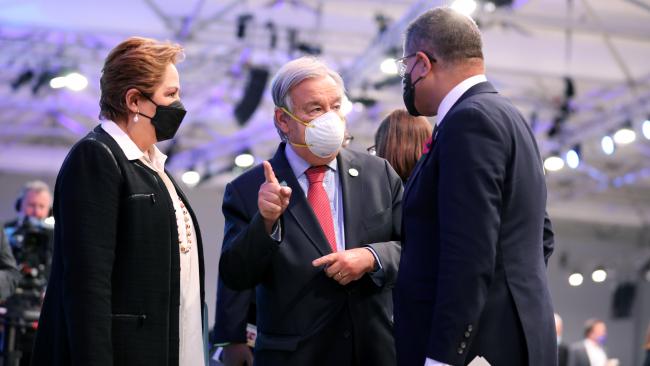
[25, 257]
[647, 347]
[562, 348]
[9, 274]
[30, 234]
[400, 139]
[590, 351]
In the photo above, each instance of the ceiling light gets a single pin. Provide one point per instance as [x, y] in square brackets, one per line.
[573, 157]
[244, 160]
[575, 279]
[388, 66]
[465, 7]
[607, 144]
[191, 178]
[599, 275]
[553, 163]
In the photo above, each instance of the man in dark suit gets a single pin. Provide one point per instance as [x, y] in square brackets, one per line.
[472, 278]
[316, 231]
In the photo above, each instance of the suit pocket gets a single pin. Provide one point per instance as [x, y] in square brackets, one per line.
[129, 319]
[379, 225]
[276, 342]
[143, 196]
[377, 220]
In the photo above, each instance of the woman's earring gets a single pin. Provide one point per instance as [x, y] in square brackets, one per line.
[136, 118]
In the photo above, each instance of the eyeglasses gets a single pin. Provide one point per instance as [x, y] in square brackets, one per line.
[401, 62]
[372, 150]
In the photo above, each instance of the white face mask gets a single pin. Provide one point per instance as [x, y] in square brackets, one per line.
[323, 135]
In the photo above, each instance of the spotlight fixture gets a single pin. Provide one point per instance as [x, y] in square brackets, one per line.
[73, 81]
[607, 144]
[599, 274]
[573, 157]
[553, 163]
[388, 66]
[244, 160]
[191, 178]
[465, 7]
[575, 279]
[626, 134]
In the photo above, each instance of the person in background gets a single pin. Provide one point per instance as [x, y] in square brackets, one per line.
[315, 232]
[34, 206]
[126, 286]
[647, 347]
[401, 139]
[562, 348]
[9, 275]
[590, 351]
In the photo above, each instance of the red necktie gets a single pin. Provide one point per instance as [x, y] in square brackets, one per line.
[319, 202]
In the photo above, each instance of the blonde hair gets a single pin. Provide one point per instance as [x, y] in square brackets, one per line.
[135, 63]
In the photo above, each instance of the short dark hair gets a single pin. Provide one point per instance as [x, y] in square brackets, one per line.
[590, 324]
[445, 34]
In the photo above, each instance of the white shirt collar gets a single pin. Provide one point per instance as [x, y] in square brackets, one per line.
[454, 94]
[298, 164]
[130, 149]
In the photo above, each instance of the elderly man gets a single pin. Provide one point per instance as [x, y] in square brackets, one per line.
[472, 281]
[316, 229]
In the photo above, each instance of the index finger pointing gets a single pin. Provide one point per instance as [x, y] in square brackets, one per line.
[324, 260]
[269, 175]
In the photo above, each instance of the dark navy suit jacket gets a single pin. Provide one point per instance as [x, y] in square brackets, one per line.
[303, 316]
[475, 241]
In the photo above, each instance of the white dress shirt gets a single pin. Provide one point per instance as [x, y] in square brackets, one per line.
[596, 354]
[190, 328]
[447, 102]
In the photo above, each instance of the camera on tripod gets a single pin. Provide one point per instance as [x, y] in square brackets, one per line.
[31, 243]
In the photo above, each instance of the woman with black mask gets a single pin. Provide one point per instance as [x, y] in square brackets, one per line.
[126, 286]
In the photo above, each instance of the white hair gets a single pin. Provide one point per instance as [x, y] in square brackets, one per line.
[293, 73]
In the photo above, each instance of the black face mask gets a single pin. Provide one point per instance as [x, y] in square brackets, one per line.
[167, 119]
[408, 92]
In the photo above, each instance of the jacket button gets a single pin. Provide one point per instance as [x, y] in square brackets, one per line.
[469, 328]
[467, 334]
[346, 334]
[460, 351]
[463, 345]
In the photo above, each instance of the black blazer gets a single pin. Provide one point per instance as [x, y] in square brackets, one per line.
[114, 290]
[303, 316]
[472, 277]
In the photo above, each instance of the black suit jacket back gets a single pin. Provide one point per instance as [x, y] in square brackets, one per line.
[297, 304]
[114, 290]
[472, 275]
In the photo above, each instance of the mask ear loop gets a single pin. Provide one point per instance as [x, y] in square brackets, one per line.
[299, 121]
[306, 124]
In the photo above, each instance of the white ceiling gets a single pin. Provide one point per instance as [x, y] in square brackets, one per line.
[604, 46]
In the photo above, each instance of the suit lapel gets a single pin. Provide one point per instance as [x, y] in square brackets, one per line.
[299, 209]
[350, 175]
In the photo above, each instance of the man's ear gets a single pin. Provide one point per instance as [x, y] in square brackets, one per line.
[424, 66]
[281, 120]
[131, 99]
